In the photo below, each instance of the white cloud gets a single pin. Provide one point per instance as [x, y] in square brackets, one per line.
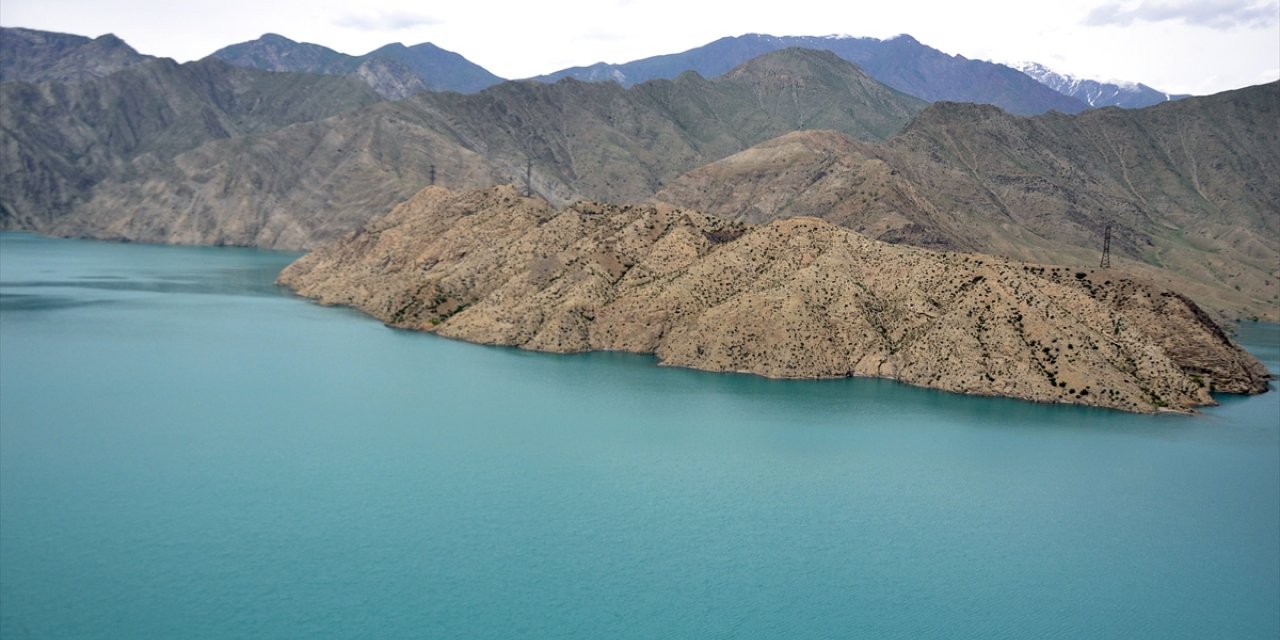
[1215, 14]
[390, 20]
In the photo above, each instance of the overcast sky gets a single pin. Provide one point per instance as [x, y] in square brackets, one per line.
[1179, 46]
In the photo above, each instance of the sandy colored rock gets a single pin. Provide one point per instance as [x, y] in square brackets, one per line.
[1191, 189]
[796, 298]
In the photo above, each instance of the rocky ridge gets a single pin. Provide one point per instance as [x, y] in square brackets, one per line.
[394, 70]
[301, 185]
[1190, 189]
[901, 62]
[796, 298]
[30, 55]
[61, 140]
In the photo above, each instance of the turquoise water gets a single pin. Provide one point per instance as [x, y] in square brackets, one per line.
[188, 452]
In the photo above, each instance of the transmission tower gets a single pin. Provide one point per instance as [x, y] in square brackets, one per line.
[528, 178]
[433, 175]
[1106, 248]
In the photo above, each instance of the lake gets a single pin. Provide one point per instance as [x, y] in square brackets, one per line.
[187, 451]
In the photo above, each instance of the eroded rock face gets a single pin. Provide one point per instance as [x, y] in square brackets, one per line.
[795, 298]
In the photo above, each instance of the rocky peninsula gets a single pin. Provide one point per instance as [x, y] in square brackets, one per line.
[795, 298]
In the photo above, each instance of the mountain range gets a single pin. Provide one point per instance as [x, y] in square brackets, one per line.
[62, 139]
[397, 71]
[901, 62]
[210, 153]
[1191, 188]
[300, 185]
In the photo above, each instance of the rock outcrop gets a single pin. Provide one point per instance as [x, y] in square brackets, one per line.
[795, 298]
[391, 79]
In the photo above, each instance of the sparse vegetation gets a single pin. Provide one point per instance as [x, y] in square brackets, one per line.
[794, 298]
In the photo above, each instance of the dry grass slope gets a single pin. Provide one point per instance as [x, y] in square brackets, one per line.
[797, 298]
[1191, 188]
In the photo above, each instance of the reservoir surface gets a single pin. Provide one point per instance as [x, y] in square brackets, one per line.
[188, 451]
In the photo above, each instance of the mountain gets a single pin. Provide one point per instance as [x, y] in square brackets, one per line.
[901, 62]
[297, 186]
[1188, 187]
[274, 52]
[797, 298]
[29, 55]
[434, 68]
[62, 139]
[1191, 188]
[822, 174]
[1130, 95]
[440, 69]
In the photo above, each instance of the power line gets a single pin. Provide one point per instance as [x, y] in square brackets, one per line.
[1106, 248]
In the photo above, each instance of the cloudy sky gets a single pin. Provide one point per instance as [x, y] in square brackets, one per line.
[1179, 46]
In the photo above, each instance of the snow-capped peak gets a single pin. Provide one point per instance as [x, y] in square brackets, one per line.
[1094, 92]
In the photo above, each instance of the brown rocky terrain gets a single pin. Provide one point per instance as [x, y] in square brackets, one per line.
[826, 175]
[794, 298]
[301, 185]
[1191, 189]
[59, 140]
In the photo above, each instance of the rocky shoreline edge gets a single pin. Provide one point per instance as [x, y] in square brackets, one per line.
[796, 298]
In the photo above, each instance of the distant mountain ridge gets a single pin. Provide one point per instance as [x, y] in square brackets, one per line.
[901, 62]
[297, 186]
[1096, 94]
[394, 70]
[30, 55]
